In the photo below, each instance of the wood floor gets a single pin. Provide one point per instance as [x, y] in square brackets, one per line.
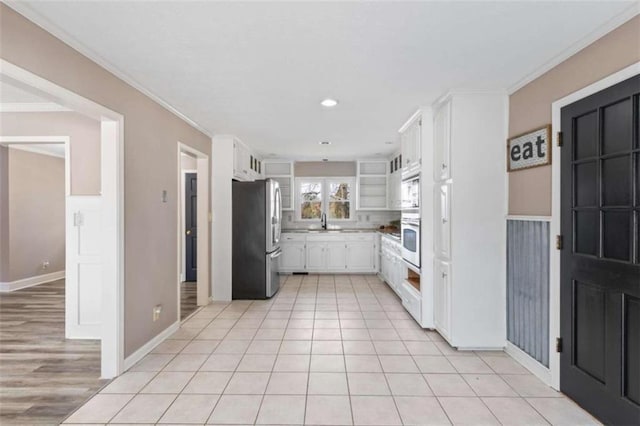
[43, 376]
[188, 298]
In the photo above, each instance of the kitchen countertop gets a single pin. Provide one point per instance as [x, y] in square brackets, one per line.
[328, 231]
[342, 231]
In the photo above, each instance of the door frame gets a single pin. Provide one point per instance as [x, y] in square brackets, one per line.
[555, 228]
[204, 223]
[112, 192]
[183, 221]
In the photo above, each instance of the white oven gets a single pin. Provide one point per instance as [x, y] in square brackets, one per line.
[411, 193]
[410, 230]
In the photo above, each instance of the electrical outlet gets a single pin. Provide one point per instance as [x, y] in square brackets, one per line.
[156, 312]
[45, 264]
[368, 218]
[164, 195]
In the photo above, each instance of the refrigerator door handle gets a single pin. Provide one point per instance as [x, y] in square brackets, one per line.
[276, 253]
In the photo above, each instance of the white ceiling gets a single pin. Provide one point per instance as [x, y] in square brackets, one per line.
[259, 70]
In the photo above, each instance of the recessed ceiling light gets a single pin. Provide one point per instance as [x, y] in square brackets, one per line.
[325, 159]
[389, 143]
[324, 143]
[329, 103]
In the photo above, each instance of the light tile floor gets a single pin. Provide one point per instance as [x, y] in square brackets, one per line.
[327, 350]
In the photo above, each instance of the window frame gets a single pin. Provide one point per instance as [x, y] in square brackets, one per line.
[325, 199]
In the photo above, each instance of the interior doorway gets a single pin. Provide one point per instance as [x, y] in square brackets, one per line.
[106, 219]
[193, 214]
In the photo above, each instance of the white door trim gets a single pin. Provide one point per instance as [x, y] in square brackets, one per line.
[202, 170]
[112, 192]
[25, 141]
[554, 255]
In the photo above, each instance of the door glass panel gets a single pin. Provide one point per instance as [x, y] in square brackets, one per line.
[586, 232]
[632, 355]
[616, 122]
[585, 184]
[617, 235]
[586, 130]
[589, 332]
[409, 239]
[616, 181]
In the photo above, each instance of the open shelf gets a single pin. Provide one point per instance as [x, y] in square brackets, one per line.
[413, 279]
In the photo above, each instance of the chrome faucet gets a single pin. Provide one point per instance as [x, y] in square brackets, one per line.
[323, 221]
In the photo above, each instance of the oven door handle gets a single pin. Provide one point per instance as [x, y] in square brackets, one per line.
[411, 223]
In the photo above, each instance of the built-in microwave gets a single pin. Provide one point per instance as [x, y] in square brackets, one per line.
[410, 235]
[411, 193]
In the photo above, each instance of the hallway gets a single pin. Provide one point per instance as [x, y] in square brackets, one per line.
[326, 350]
[43, 377]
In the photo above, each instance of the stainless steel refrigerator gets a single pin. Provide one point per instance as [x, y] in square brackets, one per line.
[257, 218]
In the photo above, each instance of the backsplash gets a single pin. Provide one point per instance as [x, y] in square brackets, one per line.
[364, 220]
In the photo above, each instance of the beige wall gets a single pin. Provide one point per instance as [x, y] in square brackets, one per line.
[151, 134]
[324, 168]
[84, 140]
[530, 107]
[36, 214]
[4, 214]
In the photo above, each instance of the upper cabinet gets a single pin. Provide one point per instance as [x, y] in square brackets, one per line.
[246, 164]
[282, 172]
[411, 141]
[442, 142]
[394, 182]
[372, 185]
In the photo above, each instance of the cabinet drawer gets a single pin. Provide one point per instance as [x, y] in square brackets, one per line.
[293, 237]
[359, 237]
[412, 301]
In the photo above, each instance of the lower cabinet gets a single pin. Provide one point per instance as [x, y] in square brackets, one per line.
[331, 253]
[293, 256]
[392, 268]
[442, 298]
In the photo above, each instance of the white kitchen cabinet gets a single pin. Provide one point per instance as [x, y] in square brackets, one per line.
[282, 172]
[392, 268]
[412, 301]
[443, 222]
[371, 185]
[246, 164]
[469, 233]
[442, 136]
[316, 260]
[293, 257]
[360, 256]
[329, 253]
[442, 298]
[394, 183]
[411, 141]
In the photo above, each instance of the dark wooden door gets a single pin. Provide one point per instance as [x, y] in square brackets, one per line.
[191, 223]
[600, 261]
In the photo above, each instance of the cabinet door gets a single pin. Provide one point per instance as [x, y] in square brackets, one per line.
[385, 266]
[442, 298]
[443, 227]
[442, 143]
[315, 256]
[335, 254]
[293, 257]
[360, 256]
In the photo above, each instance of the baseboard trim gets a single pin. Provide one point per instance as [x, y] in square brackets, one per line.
[7, 287]
[528, 362]
[132, 359]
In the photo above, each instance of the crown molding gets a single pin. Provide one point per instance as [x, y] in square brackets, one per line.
[50, 27]
[32, 107]
[593, 36]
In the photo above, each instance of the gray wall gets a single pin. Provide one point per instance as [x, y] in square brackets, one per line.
[36, 214]
[528, 287]
[324, 168]
[4, 214]
[151, 134]
[84, 140]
